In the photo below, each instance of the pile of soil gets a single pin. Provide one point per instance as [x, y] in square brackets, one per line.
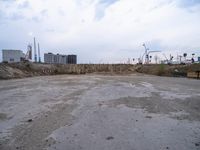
[28, 69]
[168, 70]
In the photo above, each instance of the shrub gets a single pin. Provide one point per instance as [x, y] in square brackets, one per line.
[161, 70]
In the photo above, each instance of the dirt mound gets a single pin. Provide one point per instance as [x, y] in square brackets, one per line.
[7, 72]
[26, 69]
[168, 70]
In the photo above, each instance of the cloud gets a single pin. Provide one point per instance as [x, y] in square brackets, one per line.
[101, 30]
[188, 3]
[101, 7]
[23, 5]
[44, 12]
[17, 16]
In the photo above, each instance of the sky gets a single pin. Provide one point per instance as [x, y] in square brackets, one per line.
[102, 31]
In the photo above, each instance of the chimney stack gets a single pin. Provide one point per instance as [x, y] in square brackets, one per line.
[35, 51]
[39, 53]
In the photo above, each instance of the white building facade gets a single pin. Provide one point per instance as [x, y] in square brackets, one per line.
[12, 56]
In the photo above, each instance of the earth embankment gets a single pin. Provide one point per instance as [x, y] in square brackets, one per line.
[27, 69]
[21, 70]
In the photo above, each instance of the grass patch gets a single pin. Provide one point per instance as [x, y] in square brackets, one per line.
[161, 70]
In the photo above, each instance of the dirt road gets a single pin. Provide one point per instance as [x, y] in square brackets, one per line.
[100, 112]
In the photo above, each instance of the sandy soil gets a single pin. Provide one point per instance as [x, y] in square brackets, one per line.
[100, 112]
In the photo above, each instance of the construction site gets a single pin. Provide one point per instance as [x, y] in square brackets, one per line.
[63, 105]
[59, 104]
[100, 111]
[99, 75]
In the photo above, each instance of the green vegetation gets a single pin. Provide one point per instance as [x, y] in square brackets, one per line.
[161, 70]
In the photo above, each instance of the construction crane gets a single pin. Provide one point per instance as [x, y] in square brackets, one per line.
[146, 54]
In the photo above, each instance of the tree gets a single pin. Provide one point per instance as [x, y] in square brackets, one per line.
[185, 55]
[193, 55]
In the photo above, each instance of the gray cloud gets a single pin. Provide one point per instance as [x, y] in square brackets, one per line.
[108, 2]
[5, 18]
[2, 17]
[39, 17]
[188, 3]
[36, 19]
[24, 5]
[44, 12]
[17, 16]
[101, 7]
[61, 12]
[50, 30]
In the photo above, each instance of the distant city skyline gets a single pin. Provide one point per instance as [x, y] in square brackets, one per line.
[101, 31]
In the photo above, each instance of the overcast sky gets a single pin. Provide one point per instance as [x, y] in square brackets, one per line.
[101, 31]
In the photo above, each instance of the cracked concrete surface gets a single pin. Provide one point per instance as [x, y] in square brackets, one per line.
[100, 112]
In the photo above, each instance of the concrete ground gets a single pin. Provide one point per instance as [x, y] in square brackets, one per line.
[100, 112]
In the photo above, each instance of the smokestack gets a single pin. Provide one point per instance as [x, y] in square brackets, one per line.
[39, 53]
[35, 52]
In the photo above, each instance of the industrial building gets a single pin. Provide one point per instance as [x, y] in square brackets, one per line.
[51, 58]
[11, 56]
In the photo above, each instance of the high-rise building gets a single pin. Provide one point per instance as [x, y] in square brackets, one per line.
[72, 59]
[51, 58]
